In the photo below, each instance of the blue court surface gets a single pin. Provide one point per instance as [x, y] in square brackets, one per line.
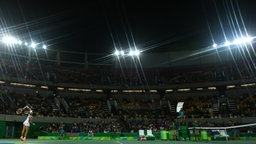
[36, 141]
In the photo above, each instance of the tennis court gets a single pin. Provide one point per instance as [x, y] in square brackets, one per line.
[35, 141]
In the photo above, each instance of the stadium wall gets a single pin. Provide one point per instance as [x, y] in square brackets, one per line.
[15, 118]
[18, 118]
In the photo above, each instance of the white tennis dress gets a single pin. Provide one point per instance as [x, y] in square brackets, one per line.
[26, 122]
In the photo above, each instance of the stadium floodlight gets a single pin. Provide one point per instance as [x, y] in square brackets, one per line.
[127, 53]
[14, 41]
[117, 53]
[122, 52]
[44, 47]
[9, 40]
[33, 45]
[136, 53]
[131, 53]
[214, 45]
[243, 40]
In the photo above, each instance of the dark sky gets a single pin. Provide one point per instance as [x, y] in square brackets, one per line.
[152, 25]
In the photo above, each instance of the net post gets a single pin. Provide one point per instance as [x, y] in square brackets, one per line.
[226, 136]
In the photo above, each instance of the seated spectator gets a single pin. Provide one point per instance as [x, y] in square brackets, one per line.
[90, 133]
[182, 114]
[62, 133]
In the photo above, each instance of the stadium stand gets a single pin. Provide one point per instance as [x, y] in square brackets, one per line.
[123, 105]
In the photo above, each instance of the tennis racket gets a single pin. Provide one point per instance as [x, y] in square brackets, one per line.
[19, 110]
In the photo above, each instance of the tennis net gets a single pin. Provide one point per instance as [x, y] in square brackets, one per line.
[238, 132]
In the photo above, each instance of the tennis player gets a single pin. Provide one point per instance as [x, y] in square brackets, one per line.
[26, 124]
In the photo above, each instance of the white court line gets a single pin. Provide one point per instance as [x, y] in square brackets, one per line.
[119, 142]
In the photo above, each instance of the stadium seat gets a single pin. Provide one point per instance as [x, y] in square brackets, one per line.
[141, 133]
[149, 133]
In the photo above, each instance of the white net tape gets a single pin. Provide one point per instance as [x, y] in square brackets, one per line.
[223, 128]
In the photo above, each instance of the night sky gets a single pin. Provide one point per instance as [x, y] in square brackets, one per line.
[98, 26]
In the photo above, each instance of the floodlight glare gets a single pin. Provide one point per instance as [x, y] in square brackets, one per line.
[131, 53]
[117, 53]
[227, 43]
[33, 45]
[9, 40]
[214, 45]
[19, 42]
[126, 53]
[237, 41]
[44, 46]
[249, 39]
[136, 52]
[243, 40]
[122, 53]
